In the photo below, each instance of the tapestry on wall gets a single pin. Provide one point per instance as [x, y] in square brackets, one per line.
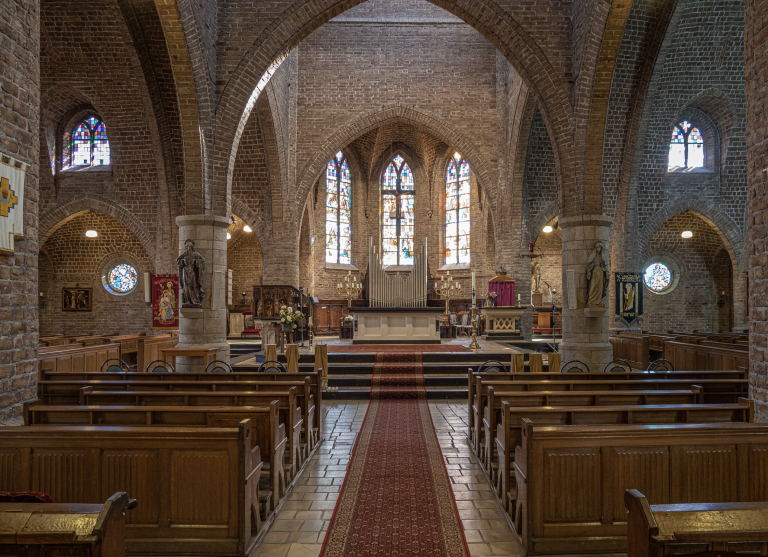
[76, 299]
[12, 174]
[165, 296]
[629, 298]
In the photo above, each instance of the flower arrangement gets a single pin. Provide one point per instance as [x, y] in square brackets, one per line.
[349, 318]
[288, 317]
[491, 298]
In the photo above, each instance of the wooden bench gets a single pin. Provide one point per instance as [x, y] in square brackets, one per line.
[508, 432]
[79, 530]
[68, 392]
[694, 528]
[267, 432]
[633, 348]
[539, 399]
[571, 479]
[685, 356]
[476, 379]
[197, 489]
[76, 357]
[290, 412]
[148, 349]
[314, 380]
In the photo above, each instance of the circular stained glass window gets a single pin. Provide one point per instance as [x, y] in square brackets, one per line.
[123, 278]
[657, 277]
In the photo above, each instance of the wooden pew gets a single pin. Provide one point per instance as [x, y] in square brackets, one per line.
[694, 528]
[314, 379]
[267, 432]
[290, 411]
[64, 392]
[685, 356]
[129, 348]
[633, 348]
[81, 358]
[474, 404]
[508, 433]
[148, 349]
[80, 530]
[539, 399]
[571, 479]
[197, 489]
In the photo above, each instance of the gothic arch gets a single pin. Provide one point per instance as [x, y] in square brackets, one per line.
[292, 26]
[260, 227]
[549, 212]
[51, 221]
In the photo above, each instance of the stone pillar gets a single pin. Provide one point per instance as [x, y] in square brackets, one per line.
[585, 330]
[205, 327]
[281, 259]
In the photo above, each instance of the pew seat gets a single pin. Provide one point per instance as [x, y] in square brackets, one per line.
[695, 528]
[77, 530]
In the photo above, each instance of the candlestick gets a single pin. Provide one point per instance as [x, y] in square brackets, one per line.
[350, 289]
[448, 289]
[474, 345]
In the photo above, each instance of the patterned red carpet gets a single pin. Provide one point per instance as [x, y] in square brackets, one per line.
[397, 498]
[400, 348]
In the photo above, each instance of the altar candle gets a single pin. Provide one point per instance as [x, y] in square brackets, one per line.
[518, 299]
[474, 300]
[310, 320]
[435, 286]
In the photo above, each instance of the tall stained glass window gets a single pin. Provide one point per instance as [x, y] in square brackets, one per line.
[686, 148]
[338, 211]
[457, 223]
[89, 145]
[397, 213]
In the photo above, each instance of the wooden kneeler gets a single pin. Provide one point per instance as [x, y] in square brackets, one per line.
[292, 356]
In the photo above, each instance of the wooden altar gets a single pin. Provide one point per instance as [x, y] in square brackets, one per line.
[502, 323]
[268, 299]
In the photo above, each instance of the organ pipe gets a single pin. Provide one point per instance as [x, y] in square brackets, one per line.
[397, 291]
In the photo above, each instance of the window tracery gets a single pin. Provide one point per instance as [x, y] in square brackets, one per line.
[338, 211]
[397, 216]
[89, 144]
[686, 148]
[457, 218]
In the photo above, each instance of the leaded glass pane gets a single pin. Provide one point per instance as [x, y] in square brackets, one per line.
[676, 155]
[398, 161]
[451, 250]
[450, 174]
[406, 250]
[406, 178]
[695, 136]
[457, 221]
[406, 210]
[346, 175]
[464, 215]
[677, 136]
[450, 217]
[451, 204]
[338, 215]
[452, 229]
[464, 201]
[451, 189]
[657, 277]
[696, 155]
[464, 175]
[464, 228]
[390, 177]
[81, 145]
[123, 278]
[101, 154]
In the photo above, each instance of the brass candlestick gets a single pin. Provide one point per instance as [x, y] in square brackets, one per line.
[474, 345]
[447, 289]
[350, 288]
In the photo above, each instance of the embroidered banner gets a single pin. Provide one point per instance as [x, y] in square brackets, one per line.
[629, 297]
[165, 302]
[12, 175]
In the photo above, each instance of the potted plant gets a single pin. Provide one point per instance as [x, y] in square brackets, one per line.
[289, 319]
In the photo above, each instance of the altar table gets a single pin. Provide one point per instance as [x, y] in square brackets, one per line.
[396, 325]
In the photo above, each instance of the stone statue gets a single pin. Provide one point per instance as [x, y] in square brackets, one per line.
[536, 278]
[191, 267]
[597, 278]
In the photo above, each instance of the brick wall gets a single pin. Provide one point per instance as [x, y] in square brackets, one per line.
[756, 18]
[540, 179]
[70, 259]
[245, 259]
[19, 80]
[692, 304]
[550, 246]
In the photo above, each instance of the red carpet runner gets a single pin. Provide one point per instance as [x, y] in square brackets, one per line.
[397, 498]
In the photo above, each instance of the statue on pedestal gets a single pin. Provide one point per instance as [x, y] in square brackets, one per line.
[536, 278]
[597, 278]
[191, 267]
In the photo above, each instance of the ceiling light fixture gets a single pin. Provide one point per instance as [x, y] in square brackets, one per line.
[547, 229]
[229, 236]
[91, 233]
[687, 234]
[247, 228]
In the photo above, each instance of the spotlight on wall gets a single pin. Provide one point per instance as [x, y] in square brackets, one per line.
[547, 229]
[229, 236]
[91, 233]
[247, 228]
[687, 234]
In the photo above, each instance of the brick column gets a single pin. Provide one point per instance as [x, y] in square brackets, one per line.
[20, 82]
[205, 326]
[585, 330]
[281, 259]
[756, 62]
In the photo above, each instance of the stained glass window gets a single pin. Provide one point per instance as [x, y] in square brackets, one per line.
[686, 148]
[658, 277]
[123, 278]
[89, 144]
[457, 221]
[397, 213]
[338, 211]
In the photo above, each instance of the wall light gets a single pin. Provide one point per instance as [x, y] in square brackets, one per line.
[687, 234]
[247, 228]
[91, 233]
[547, 229]
[229, 236]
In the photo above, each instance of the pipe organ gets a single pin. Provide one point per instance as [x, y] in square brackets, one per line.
[397, 291]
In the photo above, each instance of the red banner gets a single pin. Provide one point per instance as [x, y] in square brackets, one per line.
[165, 302]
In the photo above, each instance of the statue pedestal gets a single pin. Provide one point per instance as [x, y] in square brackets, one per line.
[595, 312]
[502, 323]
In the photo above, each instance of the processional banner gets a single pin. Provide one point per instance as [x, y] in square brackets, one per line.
[629, 298]
[165, 302]
[12, 176]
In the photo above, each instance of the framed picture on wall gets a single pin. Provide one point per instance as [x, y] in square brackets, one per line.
[76, 299]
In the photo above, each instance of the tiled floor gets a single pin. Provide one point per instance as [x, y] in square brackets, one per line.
[299, 529]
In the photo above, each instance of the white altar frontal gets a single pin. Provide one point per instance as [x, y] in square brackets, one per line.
[396, 325]
[502, 323]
